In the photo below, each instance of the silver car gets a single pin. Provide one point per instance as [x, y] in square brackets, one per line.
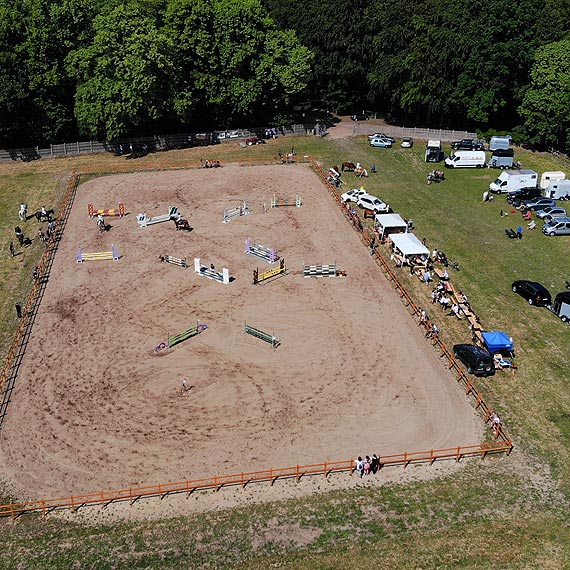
[551, 212]
[557, 227]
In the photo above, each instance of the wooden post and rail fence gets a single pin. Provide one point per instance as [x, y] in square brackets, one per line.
[132, 494]
[501, 444]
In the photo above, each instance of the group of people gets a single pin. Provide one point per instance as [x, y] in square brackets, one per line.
[370, 464]
[209, 163]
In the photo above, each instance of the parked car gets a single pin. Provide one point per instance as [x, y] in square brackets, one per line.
[359, 117]
[353, 195]
[550, 212]
[538, 203]
[535, 293]
[407, 142]
[381, 142]
[382, 136]
[476, 359]
[467, 144]
[557, 227]
[372, 203]
[518, 196]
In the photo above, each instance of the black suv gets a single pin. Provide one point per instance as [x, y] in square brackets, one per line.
[467, 144]
[518, 196]
[478, 361]
[533, 292]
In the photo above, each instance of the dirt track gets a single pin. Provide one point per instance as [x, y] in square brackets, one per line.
[95, 408]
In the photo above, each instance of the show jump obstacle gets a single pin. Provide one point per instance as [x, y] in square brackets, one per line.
[260, 277]
[112, 255]
[223, 277]
[144, 221]
[120, 211]
[261, 335]
[178, 338]
[277, 203]
[174, 260]
[265, 253]
[319, 270]
[233, 213]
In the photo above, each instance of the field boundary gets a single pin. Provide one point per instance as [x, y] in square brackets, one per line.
[133, 494]
[17, 349]
[502, 443]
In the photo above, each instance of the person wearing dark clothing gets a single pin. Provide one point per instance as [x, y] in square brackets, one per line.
[18, 307]
[19, 234]
[12, 250]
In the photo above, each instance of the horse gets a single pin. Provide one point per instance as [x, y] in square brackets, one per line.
[361, 172]
[181, 224]
[23, 213]
[348, 166]
[101, 224]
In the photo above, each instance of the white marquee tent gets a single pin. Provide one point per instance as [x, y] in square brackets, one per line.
[390, 223]
[408, 244]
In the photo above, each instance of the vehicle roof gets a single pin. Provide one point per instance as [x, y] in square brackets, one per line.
[535, 284]
[558, 220]
[473, 348]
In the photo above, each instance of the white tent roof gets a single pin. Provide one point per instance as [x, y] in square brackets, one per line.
[390, 221]
[409, 244]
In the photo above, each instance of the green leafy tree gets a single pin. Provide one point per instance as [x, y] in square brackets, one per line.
[338, 33]
[231, 58]
[546, 103]
[123, 74]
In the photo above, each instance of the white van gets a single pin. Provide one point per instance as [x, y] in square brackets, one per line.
[548, 178]
[466, 159]
[513, 180]
[559, 190]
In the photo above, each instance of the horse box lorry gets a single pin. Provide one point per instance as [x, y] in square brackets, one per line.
[513, 180]
[548, 178]
[502, 158]
[466, 159]
[559, 190]
[499, 143]
[434, 151]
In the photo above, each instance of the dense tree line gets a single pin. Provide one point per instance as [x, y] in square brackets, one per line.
[106, 69]
[460, 64]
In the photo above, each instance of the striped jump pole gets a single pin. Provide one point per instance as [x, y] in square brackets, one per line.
[269, 338]
[320, 270]
[276, 203]
[144, 221]
[119, 212]
[174, 260]
[260, 277]
[222, 277]
[262, 252]
[233, 213]
[181, 337]
[112, 255]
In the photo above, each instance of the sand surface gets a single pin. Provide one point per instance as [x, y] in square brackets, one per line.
[96, 408]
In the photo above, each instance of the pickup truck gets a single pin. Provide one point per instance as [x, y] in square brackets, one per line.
[353, 195]
[467, 144]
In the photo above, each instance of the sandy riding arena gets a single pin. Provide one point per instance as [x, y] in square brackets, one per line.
[96, 408]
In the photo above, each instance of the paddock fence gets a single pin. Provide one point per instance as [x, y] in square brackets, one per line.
[413, 132]
[133, 494]
[452, 363]
[17, 348]
[153, 143]
[502, 443]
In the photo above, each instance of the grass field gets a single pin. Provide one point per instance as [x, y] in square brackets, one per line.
[501, 513]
